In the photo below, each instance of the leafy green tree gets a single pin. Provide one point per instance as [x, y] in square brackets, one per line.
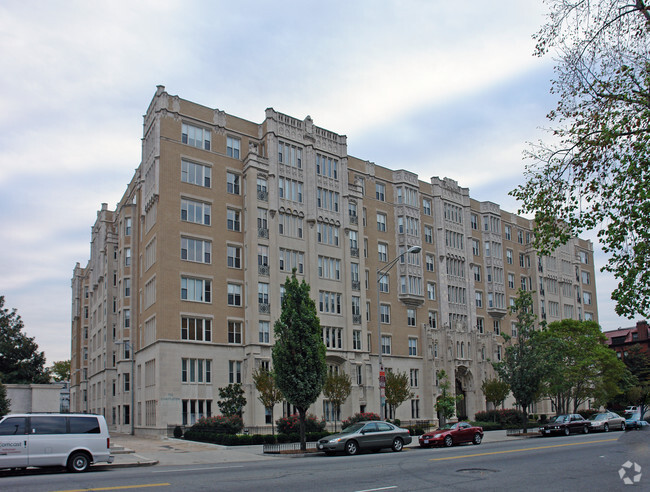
[269, 393]
[523, 366]
[446, 402]
[20, 360]
[336, 389]
[5, 403]
[638, 363]
[60, 370]
[495, 391]
[595, 173]
[299, 351]
[233, 400]
[398, 389]
[581, 365]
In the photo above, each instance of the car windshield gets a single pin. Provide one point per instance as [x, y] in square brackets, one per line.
[561, 418]
[600, 416]
[352, 428]
[448, 427]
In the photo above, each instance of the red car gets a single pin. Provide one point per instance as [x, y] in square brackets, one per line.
[452, 434]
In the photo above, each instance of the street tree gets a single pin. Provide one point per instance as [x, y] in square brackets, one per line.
[269, 393]
[232, 400]
[60, 370]
[446, 402]
[398, 389]
[299, 351]
[638, 363]
[495, 391]
[592, 173]
[20, 360]
[336, 389]
[523, 366]
[581, 366]
[5, 403]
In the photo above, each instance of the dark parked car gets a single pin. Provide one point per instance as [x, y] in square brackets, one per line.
[452, 434]
[373, 435]
[565, 424]
[606, 421]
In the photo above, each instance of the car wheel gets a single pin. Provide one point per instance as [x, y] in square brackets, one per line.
[449, 441]
[566, 431]
[477, 439]
[398, 444]
[585, 429]
[351, 448]
[78, 462]
[622, 426]
[606, 428]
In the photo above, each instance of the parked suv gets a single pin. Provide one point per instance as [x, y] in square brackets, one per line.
[48, 439]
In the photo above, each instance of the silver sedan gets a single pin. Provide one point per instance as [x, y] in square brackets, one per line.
[373, 435]
[606, 421]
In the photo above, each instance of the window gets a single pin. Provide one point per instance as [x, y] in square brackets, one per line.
[290, 259]
[196, 289]
[234, 294]
[328, 234]
[195, 136]
[413, 348]
[290, 225]
[289, 155]
[509, 256]
[356, 340]
[479, 325]
[327, 199]
[196, 212]
[234, 332]
[586, 297]
[508, 232]
[380, 192]
[326, 166]
[232, 147]
[262, 293]
[487, 248]
[479, 299]
[584, 257]
[476, 247]
[127, 228]
[381, 222]
[234, 371]
[585, 278]
[197, 174]
[384, 313]
[520, 236]
[195, 250]
[385, 345]
[431, 291]
[329, 302]
[410, 317]
[383, 283]
[232, 183]
[382, 249]
[233, 220]
[234, 256]
[290, 189]
[426, 206]
[333, 337]
[262, 222]
[127, 382]
[428, 234]
[497, 327]
[127, 318]
[429, 259]
[196, 370]
[474, 221]
[199, 329]
[330, 268]
[127, 287]
[127, 256]
[433, 319]
[264, 332]
[477, 273]
[511, 280]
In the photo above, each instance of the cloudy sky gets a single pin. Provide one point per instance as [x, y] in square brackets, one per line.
[437, 87]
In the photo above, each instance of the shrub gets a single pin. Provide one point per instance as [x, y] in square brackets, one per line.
[269, 439]
[220, 424]
[415, 430]
[291, 424]
[358, 417]
[488, 426]
[178, 432]
[508, 417]
[257, 439]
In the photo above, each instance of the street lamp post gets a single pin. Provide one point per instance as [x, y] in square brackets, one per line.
[381, 273]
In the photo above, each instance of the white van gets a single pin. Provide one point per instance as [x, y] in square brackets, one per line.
[54, 439]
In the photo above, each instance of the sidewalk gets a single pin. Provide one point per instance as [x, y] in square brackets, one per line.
[149, 450]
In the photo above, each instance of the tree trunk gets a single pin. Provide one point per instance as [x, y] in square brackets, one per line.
[272, 423]
[303, 442]
[525, 422]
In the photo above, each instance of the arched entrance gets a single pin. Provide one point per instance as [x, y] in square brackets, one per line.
[463, 387]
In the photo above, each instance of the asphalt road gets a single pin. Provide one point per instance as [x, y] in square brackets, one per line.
[588, 462]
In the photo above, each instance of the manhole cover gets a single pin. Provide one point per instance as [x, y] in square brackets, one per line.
[476, 471]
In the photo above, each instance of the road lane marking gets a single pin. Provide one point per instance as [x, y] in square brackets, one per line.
[522, 449]
[375, 490]
[121, 487]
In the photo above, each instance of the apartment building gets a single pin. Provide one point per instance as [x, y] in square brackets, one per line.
[185, 278]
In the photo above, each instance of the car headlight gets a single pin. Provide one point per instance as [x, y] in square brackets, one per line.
[338, 439]
[437, 435]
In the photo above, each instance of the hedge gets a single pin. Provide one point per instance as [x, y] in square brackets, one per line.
[291, 424]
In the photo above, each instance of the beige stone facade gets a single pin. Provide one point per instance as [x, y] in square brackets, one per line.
[185, 276]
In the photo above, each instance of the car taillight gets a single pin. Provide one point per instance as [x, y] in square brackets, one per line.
[108, 443]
